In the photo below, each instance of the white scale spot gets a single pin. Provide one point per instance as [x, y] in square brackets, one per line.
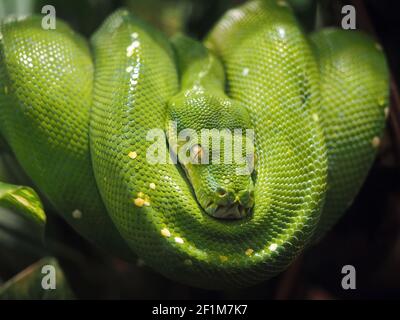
[134, 35]
[281, 32]
[315, 117]
[152, 186]
[139, 202]
[386, 111]
[165, 232]
[135, 44]
[236, 13]
[273, 247]
[129, 69]
[376, 142]
[179, 240]
[249, 252]
[76, 214]
[132, 155]
[131, 49]
[1, 36]
[146, 203]
[245, 71]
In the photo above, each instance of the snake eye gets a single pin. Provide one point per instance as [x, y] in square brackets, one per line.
[221, 192]
[196, 153]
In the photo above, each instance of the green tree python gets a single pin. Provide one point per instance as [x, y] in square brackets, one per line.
[78, 117]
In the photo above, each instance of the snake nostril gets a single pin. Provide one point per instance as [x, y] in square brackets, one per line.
[246, 198]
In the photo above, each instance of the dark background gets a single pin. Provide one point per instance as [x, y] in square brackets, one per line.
[367, 237]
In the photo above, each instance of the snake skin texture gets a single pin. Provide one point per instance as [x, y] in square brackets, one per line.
[78, 121]
[353, 112]
[46, 79]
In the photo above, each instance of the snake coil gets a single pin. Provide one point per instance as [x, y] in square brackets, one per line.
[76, 115]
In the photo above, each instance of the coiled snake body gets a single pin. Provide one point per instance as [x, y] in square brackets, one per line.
[77, 118]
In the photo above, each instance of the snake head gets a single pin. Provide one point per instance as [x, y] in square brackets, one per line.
[215, 147]
[221, 190]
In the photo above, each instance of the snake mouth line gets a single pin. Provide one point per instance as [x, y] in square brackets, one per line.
[234, 211]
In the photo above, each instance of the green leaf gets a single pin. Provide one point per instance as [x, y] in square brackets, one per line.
[23, 200]
[44, 280]
[22, 221]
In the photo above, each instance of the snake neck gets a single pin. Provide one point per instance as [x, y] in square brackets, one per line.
[202, 108]
[198, 68]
